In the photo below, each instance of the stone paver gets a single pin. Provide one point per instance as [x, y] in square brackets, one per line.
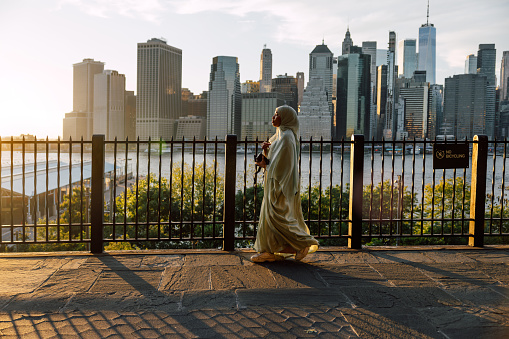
[372, 293]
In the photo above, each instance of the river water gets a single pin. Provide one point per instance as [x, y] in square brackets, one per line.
[322, 168]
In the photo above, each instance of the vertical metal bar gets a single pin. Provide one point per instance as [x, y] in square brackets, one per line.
[58, 188]
[170, 217]
[204, 187]
[36, 205]
[478, 190]
[46, 200]
[413, 193]
[463, 199]
[391, 208]
[23, 230]
[433, 187]
[12, 188]
[502, 188]
[182, 166]
[309, 180]
[342, 177]
[215, 190]
[126, 174]
[229, 192]
[159, 189]
[244, 189]
[147, 227]
[136, 216]
[112, 203]
[81, 191]
[423, 186]
[371, 186]
[1, 197]
[192, 186]
[70, 187]
[320, 188]
[443, 203]
[331, 163]
[356, 187]
[401, 187]
[97, 194]
[380, 216]
[493, 185]
[453, 197]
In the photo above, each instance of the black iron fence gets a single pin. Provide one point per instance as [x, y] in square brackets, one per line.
[207, 193]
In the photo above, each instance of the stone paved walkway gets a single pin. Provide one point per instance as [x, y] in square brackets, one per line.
[426, 292]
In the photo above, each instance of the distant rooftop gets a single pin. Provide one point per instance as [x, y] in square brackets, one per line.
[321, 49]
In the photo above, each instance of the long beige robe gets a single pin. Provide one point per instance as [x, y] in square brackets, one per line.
[281, 220]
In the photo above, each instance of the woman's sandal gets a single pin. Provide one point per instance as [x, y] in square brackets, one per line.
[302, 253]
[265, 256]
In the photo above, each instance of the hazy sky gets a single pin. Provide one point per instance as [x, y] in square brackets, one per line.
[40, 41]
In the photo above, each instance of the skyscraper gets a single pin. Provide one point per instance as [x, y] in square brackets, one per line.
[109, 107]
[415, 95]
[79, 123]
[224, 98]
[407, 57]
[353, 96]
[504, 77]
[300, 86]
[265, 70]
[392, 72]
[471, 64]
[314, 117]
[435, 111]
[465, 105]
[130, 115]
[486, 60]
[369, 47]
[159, 89]
[287, 86]
[347, 42]
[381, 101]
[257, 111]
[320, 66]
[427, 50]
[250, 86]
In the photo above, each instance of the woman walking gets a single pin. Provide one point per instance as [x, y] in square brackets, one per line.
[282, 229]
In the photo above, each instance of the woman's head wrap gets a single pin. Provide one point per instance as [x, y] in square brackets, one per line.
[289, 119]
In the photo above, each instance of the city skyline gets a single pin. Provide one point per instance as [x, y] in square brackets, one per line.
[52, 36]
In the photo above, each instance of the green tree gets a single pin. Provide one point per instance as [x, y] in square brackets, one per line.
[318, 206]
[186, 199]
[383, 203]
[447, 200]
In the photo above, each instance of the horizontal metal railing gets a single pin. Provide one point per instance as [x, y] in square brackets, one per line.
[67, 194]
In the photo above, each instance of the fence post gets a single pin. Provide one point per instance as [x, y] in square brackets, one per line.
[356, 187]
[230, 173]
[478, 191]
[97, 194]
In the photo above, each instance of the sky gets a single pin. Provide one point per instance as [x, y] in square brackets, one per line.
[41, 40]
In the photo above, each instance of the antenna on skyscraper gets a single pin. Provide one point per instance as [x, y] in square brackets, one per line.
[264, 46]
[427, 16]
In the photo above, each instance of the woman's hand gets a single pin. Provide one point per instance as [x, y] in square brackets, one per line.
[262, 163]
[265, 147]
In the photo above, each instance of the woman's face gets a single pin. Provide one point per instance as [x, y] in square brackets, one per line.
[276, 119]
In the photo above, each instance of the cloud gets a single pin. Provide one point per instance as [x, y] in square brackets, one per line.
[148, 10]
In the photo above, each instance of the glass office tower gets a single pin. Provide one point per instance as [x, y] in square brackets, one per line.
[427, 51]
[407, 57]
[224, 100]
[159, 94]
